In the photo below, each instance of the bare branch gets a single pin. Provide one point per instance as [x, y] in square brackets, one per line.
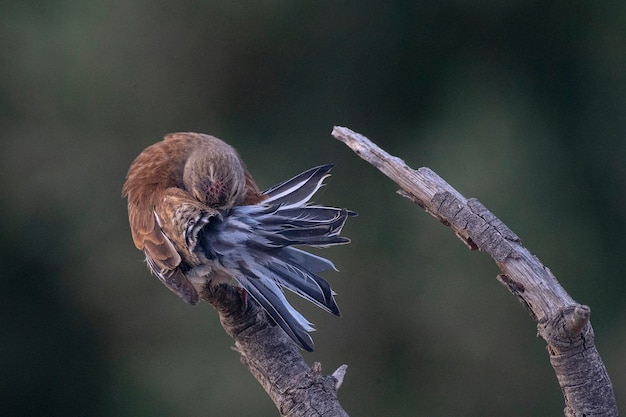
[562, 323]
[273, 358]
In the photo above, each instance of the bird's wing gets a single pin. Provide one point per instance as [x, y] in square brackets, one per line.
[161, 255]
[175, 280]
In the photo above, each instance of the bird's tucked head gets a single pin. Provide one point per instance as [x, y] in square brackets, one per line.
[214, 174]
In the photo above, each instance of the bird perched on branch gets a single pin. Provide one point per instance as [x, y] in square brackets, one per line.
[200, 219]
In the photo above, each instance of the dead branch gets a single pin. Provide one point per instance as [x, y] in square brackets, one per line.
[562, 323]
[274, 359]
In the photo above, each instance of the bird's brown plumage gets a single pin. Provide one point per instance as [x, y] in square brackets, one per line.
[173, 180]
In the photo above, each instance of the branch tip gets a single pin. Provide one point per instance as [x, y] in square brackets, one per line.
[578, 319]
[339, 374]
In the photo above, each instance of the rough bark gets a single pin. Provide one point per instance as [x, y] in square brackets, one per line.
[562, 322]
[274, 359]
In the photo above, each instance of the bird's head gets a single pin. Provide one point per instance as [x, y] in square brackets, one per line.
[214, 174]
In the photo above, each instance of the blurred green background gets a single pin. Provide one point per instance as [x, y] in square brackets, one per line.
[520, 104]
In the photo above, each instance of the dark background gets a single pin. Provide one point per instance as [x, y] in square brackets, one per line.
[520, 104]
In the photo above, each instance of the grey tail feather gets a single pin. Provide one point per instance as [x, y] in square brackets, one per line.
[288, 273]
[273, 301]
[309, 225]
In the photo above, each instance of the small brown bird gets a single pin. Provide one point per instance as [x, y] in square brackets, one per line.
[199, 217]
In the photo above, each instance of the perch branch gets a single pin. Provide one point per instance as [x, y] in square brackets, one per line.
[562, 323]
[274, 359]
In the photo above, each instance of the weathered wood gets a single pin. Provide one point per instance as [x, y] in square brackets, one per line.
[562, 322]
[274, 359]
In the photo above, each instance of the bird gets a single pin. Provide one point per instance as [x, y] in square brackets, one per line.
[200, 219]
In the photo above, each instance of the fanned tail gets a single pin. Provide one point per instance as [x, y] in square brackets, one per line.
[255, 244]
